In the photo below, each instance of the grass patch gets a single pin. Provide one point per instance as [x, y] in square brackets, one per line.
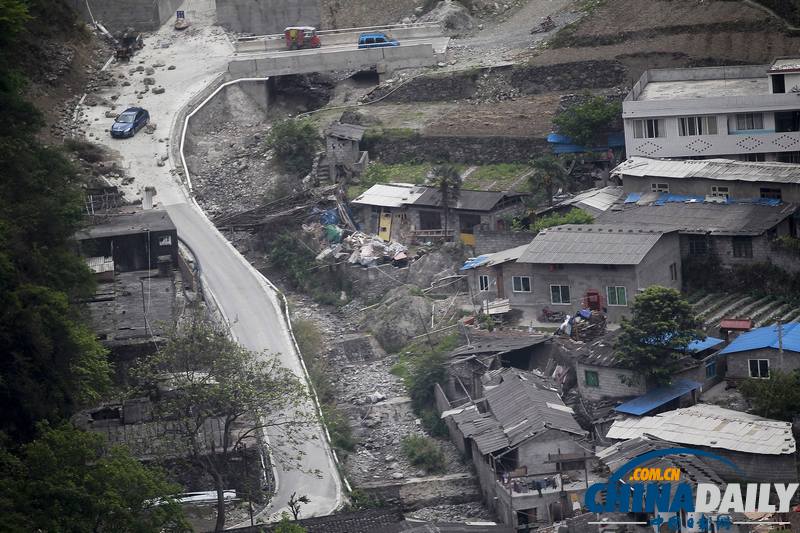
[495, 177]
[424, 453]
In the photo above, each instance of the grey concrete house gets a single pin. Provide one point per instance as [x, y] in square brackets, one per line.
[600, 267]
[758, 353]
[744, 112]
[521, 440]
[763, 450]
[402, 212]
[737, 233]
[718, 179]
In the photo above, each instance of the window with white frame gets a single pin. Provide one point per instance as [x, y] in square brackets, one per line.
[759, 368]
[719, 191]
[483, 283]
[617, 295]
[697, 126]
[659, 187]
[559, 294]
[750, 121]
[521, 283]
[649, 128]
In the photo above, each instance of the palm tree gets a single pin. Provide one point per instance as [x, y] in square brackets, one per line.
[548, 173]
[447, 180]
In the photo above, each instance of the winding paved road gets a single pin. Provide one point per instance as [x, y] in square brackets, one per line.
[199, 55]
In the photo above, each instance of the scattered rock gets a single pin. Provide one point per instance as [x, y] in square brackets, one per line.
[158, 64]
[171, 67]
[110, 114]
[150, 128]
[126, 83]
[149, 71]
[158, 90]
[397, 475]
[149, 81]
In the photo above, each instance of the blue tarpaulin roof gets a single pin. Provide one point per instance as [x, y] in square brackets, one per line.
[633, 197]
[767, 337]
[699, 346]
[564, 145]
[658, 397]
[476, 261]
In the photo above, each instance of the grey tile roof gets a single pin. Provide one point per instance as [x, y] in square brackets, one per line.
[482, 428]
[351, 132]
[599, 352]
[591, 244]
[128, 224]
[524, 409]
[695, 217]
[467, 200]
[497, 345]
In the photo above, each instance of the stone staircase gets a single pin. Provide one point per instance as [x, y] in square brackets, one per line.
[712, 308]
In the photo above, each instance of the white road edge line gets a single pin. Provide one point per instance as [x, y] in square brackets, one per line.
[270, 290]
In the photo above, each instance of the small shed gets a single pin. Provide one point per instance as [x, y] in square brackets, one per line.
[343, 153]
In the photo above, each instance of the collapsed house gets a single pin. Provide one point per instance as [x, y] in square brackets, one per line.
[526, 447]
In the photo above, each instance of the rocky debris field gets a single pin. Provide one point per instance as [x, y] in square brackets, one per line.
[464, 512]
[374, 400]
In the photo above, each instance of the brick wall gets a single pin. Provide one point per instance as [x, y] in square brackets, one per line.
[611, 386]
[488, 241]
[739, 367]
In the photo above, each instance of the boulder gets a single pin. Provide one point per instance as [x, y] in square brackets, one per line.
[403, 315]
[453, 17]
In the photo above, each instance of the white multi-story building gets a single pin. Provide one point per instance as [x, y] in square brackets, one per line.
[750, 113]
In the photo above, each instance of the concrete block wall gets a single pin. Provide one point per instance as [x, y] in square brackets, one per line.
[116, 15]
[488, 241]
[263, 17]
[738, 366]
[415, 493]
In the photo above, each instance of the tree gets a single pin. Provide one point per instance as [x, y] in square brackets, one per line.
[216, 382]
[661, 326]
[295, 143]
[295, 502]
[287, 526]
[65, 481]
[776, 397]
[548, 173]
[447, 180]
[583, 123]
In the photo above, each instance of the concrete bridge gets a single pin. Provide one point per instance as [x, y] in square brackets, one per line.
[421, 45]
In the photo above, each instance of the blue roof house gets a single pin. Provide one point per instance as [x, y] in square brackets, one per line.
[758, 353]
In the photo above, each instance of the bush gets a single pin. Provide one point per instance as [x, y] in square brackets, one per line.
[424, 453]
[434, 424]
[295, 143]
[339, 428]
[575, 216]
[776, 397]
[582, 123]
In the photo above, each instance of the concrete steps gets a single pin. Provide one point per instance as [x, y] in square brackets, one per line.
[736, 303]
[770, 315]
[718, 302]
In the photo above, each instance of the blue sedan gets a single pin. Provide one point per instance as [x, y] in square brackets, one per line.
[129, 122]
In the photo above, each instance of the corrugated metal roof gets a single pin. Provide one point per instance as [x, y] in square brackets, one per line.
[596, 199]
[767, 337]
[713, 427]
[715, 169]
[590, 244]
[394, 195]
[520, 406]
[746, 219]
[497, 258]
[351, 132]
[100, 264]
[658, 397]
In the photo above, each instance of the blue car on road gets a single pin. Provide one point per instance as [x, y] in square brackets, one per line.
[375, 40]
[129, 122]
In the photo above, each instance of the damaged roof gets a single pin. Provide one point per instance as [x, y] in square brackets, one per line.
[595, 200]
[389, 195]
[498, 345]
[714, 169]
[482, 428]
[692, 468]
[497, 258]
[745, 219]
[350, 132]
[467, 200]
[590, 244]
[599, 352]
[524, 409]
[128, 224]
[713, 427]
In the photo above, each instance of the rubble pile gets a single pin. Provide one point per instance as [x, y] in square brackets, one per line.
[584, 326]
[464, 512]
[359, 248]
